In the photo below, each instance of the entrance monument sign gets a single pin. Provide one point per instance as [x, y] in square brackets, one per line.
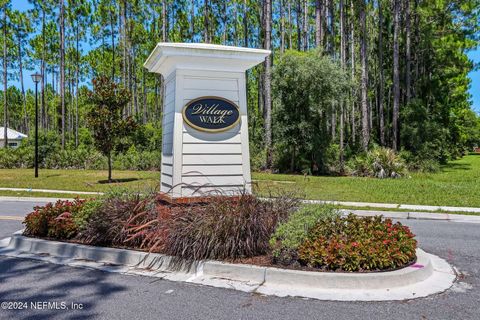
[205, 123]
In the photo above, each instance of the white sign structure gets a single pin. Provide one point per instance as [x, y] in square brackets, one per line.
[205, 128]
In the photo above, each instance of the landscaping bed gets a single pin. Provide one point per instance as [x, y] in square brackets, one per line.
[278, 232]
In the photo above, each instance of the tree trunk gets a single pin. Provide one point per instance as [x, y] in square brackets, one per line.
[352, 65]
[62, 68]
[267, 83]
[164, 21]
[192, 20]
[77, 75]
[331, 8]
[396, 74]
[289, 24]
[343, 62]
[42, 71]
[364, 84]
[381, 83]
[318, 23]
[112, 27]
[282, 26]
[206, 23]
[416, 44]
[299, 24]
[305, 25]
[109, 158]
[5, 106]
[408, 52]
[235, 26]
[245, 23]
[22, 87]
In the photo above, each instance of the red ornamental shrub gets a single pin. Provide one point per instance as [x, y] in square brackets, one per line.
[358, 244]
[53, 220]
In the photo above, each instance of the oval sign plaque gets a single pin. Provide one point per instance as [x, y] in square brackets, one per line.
[211, 114]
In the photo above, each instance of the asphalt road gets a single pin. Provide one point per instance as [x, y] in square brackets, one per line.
[105, 295]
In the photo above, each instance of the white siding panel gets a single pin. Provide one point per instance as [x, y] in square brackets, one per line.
[168, 127]
[167, 169]
[208, 138]
[191, 94]
[205, 148]
[206, 83]
[170, 87]
[167, 159]
[212, 170]
[167, 179]
[214, 180]
[190, 159]
[169, 98]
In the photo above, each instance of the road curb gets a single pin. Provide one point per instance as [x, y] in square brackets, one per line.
[429, 275]
[415, 215]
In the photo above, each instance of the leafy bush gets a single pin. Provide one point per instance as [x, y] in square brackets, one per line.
[357, 244]
[378, 162]
[53, 220]
[290, 235]
[220, 228]
[419, 163]
[88, 210]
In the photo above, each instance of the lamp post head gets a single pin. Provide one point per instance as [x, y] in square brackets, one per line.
[36, 77]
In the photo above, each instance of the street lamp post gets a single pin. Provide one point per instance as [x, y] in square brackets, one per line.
[36, 77]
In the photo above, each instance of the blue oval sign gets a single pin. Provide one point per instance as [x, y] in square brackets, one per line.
[211, 114]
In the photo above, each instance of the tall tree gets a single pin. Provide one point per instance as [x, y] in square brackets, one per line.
[62, 69]
[5, 84]
[364, 77]
[267, 83]
[396, 74]
[381, 82]
[407, 52]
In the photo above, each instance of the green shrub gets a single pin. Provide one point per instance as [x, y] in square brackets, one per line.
[379, 163]
[420, 164]
[357, 244]
[53, 220]
[290, 235]
[89, 209]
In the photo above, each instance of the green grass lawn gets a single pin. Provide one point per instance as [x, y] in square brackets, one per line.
[77, 180]
[457, 184]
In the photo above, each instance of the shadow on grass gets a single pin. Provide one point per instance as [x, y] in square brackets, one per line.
[119, 180]
[456, 166]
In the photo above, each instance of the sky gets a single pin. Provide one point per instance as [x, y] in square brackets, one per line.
[474, 55]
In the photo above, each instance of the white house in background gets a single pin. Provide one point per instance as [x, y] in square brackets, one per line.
[14, 138]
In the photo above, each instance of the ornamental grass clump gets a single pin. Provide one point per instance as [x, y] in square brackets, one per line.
[221, 227]
[107, 224]
[355, 243]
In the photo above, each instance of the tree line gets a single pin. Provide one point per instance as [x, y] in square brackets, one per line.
[405, 61]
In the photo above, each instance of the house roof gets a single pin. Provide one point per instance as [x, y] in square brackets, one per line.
[12, 134]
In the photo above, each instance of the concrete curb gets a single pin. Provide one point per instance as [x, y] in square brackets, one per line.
[429, 275]
[31, 199]
[395, 206]
[51, 191]
[416, 215]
